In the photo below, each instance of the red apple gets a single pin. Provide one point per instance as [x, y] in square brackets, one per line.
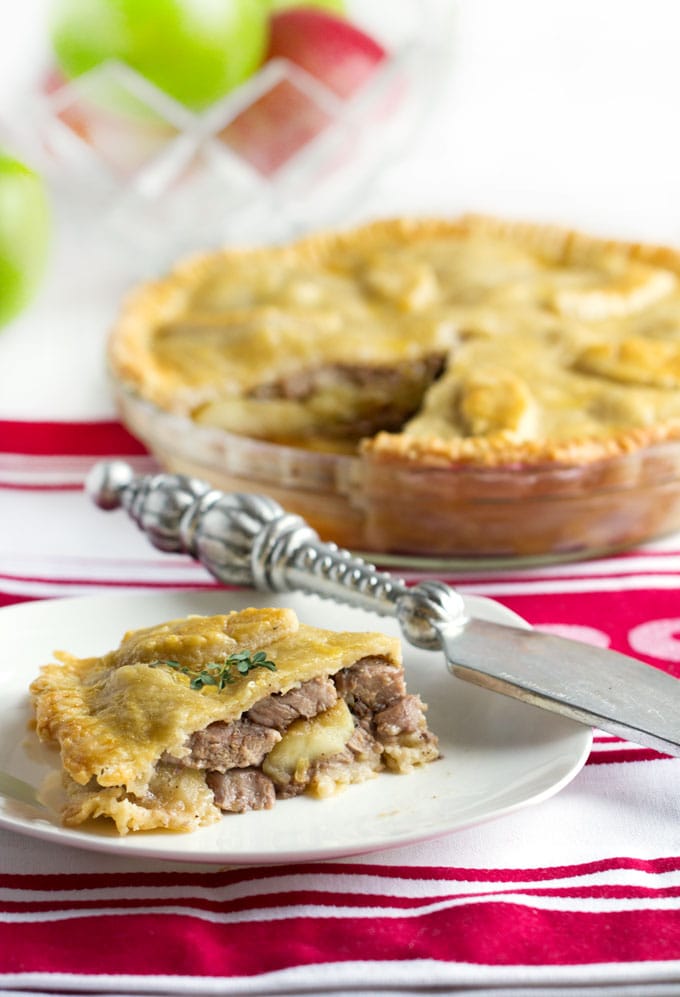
[280, 123]
[328, 47]
[276, 126]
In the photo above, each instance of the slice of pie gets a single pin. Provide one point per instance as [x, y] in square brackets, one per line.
[434, 352]
[202, 716]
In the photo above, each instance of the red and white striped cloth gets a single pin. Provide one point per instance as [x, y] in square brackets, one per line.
[580, 894]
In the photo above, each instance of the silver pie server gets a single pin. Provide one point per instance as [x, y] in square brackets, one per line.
[251, 541]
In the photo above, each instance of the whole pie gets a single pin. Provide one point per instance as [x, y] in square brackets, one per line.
[207, 715]
[455, 360]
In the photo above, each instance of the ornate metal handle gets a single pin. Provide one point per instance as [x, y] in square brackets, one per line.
[251, 541]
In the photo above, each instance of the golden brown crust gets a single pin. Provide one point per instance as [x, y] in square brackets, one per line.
[130, 345]
[561, 244]
[635, 279]
[155, 302]
[501, 452]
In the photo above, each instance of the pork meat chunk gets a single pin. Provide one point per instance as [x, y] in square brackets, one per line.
[241, 790]
[222, 746]
[403, 717]
[371, 682]
[279, 711]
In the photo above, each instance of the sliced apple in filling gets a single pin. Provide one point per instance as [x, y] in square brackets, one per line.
[634, 360]
[623, 288]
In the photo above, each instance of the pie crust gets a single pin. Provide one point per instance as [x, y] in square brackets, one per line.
[144, 745]
[455, 361]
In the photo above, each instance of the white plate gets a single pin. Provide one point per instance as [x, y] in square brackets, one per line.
[498, 754]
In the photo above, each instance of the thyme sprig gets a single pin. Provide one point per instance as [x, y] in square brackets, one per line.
[221, 674]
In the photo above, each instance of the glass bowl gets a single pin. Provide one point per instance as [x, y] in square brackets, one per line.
[455, 516]
[164, 180]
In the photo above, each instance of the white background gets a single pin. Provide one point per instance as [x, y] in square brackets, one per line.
[564, 110]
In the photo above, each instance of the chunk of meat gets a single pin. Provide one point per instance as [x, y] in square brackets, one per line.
[375, 397]
[372, 682]
[388, 382]
[240, 790]
[403, 717]
[222, 746]
[279, 711]
[363, 746]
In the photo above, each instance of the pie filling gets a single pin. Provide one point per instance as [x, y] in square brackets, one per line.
[339, 402]
[427, 341]
[226, 714]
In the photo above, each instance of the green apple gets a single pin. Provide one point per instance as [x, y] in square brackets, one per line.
[24, 235]
[195, 50]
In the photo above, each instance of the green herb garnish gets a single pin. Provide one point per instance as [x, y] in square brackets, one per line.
[221, 674]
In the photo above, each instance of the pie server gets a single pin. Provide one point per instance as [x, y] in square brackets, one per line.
[250, 541]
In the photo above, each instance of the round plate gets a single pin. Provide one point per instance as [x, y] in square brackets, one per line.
[497, 754]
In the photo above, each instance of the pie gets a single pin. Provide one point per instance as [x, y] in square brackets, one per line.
[437, 354]
[207, 715]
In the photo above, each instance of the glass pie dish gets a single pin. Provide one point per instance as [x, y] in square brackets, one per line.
[422, 390]
[421, 516]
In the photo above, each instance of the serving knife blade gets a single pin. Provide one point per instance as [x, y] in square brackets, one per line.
[250, 541]
[593, 685]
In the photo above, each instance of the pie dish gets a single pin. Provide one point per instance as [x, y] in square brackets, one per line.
[205, 715]
[472, 387]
